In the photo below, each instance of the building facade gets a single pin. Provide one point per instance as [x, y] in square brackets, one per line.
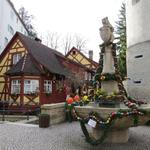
[32, 74]
[138, 52]
[10, 22]
[78, 57]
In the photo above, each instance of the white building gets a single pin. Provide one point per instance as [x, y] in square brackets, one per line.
[10, 22]
[138, 43]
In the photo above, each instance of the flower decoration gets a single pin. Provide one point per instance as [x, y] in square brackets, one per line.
[76, 98]
[70, 100]
[102, 78]
[85, 98]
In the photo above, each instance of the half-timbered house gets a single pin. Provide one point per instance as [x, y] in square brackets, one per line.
[30, 73]
[77, 56]
[33, 74]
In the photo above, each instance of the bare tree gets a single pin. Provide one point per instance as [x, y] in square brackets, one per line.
[52, 40]
[73, 40]
[67, 43]
[27, 20]
[80, 42]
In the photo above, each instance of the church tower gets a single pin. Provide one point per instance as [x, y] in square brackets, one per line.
[138, 52]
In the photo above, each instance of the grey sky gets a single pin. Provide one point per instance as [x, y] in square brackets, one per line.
[72, 16]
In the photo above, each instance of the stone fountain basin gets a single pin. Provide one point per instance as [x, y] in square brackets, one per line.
[124, 122]
[119, 132]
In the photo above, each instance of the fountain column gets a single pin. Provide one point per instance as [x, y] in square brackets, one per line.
[106, 33]
[108, 68]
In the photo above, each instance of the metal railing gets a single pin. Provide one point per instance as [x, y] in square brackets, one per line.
[24, 111]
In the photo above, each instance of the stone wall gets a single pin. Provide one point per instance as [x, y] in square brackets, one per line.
[56, 112]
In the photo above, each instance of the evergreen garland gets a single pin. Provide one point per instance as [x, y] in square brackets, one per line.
[108, 123]
[108, 77]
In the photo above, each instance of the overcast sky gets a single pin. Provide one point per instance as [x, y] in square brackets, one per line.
[72, 16]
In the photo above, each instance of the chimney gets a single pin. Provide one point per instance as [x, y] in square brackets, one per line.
[91, 54]
[38, 40]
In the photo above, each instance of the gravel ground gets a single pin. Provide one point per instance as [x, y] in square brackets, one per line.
[65, 136]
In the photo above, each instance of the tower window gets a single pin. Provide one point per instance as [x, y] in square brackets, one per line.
[135, 2]
[138, 56]
[137, 82]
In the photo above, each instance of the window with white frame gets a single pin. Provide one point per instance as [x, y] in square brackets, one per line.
[11, 30]
[12, 15]
[5, 41]
[90, 76]
[31, 86]
[15, 87]
[47, 86]
[16, 58]
[85, 76]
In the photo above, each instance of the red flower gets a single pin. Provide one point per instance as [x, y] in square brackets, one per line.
[76, 98]
[113, 114]
[70, 100]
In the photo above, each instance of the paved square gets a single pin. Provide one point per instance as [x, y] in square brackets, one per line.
[65, 136]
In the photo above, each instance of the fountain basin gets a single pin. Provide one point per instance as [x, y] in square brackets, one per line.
[119, 132]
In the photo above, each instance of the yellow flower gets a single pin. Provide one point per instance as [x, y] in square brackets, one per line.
[85, 98]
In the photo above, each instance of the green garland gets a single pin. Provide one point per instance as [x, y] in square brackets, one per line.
[136, 120]
[90, 139]
[107, 124]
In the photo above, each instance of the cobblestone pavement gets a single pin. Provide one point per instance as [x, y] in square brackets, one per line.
[65, 136]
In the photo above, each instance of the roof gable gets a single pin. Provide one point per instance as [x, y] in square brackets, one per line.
[40, 54]
[77, 56]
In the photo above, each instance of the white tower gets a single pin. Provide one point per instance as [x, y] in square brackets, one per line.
[138, 43]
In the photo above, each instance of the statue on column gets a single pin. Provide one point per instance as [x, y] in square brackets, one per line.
[106, 32]
[107, 75]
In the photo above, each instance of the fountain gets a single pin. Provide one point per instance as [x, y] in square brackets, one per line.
[112, 112]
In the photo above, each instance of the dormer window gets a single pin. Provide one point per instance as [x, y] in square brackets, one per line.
[16, 58]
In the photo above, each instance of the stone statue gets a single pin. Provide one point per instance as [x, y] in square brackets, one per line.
[106, 32]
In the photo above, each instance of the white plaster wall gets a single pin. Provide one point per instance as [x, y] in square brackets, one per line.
[5, 20]
[138, 42]
[1, 18]
[138, 69]
[138, 21]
